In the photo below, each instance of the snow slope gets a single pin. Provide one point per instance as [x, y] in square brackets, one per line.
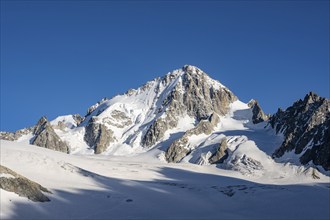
[143, 187]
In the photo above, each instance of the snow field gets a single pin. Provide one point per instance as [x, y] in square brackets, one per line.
[115, 187]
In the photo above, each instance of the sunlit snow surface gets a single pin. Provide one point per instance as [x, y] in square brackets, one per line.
[128, 181]
[143, 187]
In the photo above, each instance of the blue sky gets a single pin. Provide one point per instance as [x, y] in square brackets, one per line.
[60, 57]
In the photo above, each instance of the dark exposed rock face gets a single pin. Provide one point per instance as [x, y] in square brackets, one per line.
[98, 136]
[221, 154]
[193, 95]
[306, 128]
[155, 132]
[257, 114]
[22, 186]
[179, 148]
[46, 137]
[200, 98]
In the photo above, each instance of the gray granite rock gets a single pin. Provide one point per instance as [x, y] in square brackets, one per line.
[179, 148]
[22, 186]
[257, 114]
[221, 154]
[98, 136]
[306, 129]
[78, 118]
[46, 137]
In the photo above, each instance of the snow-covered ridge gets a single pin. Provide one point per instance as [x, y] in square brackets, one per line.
[160, 84]
[139, 107]
[183, 117]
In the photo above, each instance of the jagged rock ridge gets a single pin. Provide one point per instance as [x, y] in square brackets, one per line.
[306, 128]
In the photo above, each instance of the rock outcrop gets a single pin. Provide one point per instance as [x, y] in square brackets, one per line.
[201, 98]
[46, 137]
[78, 119]
[180, 147]
[221, 154]
[98, 136]
[43, 134]
[257, 113]
[156, 132]
[13, 182]
[306, 129]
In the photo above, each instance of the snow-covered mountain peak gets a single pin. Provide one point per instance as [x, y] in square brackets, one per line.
[183, 81]
[185, 115]
[141, 117]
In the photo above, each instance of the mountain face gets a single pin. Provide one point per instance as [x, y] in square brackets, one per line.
[186, 116]
[306, 129]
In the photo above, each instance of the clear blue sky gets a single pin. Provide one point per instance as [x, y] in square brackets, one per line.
[60, 57]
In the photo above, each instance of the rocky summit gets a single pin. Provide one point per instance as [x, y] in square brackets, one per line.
[186, 116]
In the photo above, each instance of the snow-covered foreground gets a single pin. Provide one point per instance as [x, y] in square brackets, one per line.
[143, 187]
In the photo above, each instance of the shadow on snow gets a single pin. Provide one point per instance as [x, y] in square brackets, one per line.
[180, 194]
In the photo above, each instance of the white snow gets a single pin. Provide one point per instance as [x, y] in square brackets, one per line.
[25, 138]
[115, 187]
[67, 120]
